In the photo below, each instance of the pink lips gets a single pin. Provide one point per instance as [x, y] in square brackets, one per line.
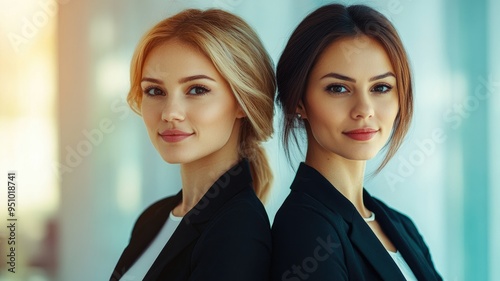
[174, 135]
[363, 134]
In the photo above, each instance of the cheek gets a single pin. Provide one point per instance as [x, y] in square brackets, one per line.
[324, 113]
[205, 113]
[388, 111]
[149, 115]
[217, 115]
[393, 109]
[323, 118]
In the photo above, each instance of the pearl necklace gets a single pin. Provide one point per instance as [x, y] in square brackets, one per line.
[371, 218]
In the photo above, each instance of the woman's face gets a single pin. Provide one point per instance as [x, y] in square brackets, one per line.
[351, 99]
[189, 109]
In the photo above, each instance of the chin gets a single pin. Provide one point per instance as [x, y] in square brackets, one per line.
[360, 156]
[174, 157]
[179, 157]
[172, 160]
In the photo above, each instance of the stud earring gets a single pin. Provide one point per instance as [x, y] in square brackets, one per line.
[299, 116]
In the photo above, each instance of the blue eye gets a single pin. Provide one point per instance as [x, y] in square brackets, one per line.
[382, 88]
[198, 90]
[153, 91]
[336, 89]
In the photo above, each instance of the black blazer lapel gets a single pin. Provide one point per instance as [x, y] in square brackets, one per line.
[363, 238]
[184, 235]
[193, 223]
[145, 230]
[360, 234]
[410, 251]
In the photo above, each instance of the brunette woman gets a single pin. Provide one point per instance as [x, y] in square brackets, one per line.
[344, 78]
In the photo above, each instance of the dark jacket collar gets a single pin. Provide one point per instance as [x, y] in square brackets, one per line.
[313, 183]
[224, 188]
[309, 181]
[232, 182]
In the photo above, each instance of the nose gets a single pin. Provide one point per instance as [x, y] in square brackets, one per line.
[363, 106]
[173, 109]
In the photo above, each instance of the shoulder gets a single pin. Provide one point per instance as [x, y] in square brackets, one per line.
[241, 224]
[308, 224]
[306, 233]
[301, 209]
[302, 218]
[237, 236]
[243, 214]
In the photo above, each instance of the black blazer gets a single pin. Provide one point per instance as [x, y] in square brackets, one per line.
[226, 236]
[319, 235]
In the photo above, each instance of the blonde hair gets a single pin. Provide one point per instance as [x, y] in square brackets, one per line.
[239, 56]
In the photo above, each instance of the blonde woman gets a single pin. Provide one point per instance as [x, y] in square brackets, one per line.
[204, 86]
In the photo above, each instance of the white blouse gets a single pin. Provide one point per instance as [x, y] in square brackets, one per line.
[403, 266]
[141, 266]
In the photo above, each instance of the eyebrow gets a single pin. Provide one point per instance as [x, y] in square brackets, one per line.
[182, 80]
[381, 76]
[346, 78]
[156, 81]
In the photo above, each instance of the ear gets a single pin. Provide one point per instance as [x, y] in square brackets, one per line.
[301, 110]
[240, 113]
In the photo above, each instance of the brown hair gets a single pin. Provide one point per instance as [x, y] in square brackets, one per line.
[316, 32]
[238, 54]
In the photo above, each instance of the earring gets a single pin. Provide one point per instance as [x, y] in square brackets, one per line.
[299, 116]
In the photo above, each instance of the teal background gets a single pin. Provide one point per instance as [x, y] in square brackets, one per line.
[445, 177]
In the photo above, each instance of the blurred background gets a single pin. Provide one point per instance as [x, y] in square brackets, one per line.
[86, 169]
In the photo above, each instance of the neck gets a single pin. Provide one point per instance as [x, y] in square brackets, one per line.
[198, 176]
[344, 174]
